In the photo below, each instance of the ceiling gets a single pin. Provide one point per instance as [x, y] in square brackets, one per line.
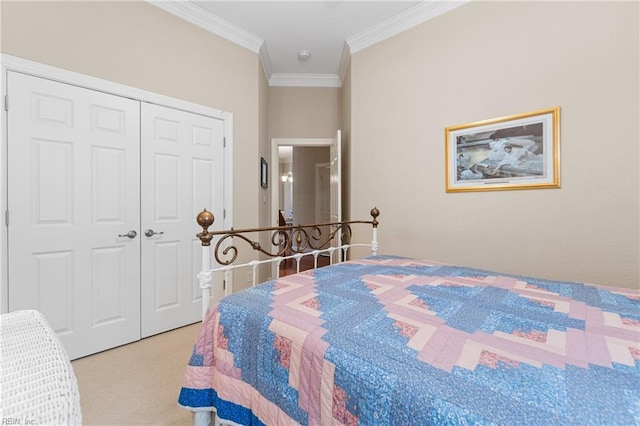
[328, 30]
[321, 27]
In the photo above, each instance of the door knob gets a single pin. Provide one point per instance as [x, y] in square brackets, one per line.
[150, 232]
[131, 234]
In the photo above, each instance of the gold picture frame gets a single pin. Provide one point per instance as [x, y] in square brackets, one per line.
[520, 151]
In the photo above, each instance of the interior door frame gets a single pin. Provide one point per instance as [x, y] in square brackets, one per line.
[275, 166]
[275, 171]
[36, 69]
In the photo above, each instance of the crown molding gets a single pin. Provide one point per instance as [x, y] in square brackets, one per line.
[201, 17]
[305, 80]
[403, 21]
[266, 62]
[344, 61]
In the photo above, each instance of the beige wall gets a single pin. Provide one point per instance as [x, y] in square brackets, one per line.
[139, 45]
[265, 146]
[491, 59]
[264, 194]
[304, 112]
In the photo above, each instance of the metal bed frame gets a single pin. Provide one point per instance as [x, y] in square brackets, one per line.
[309, 241]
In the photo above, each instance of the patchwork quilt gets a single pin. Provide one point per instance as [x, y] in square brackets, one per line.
[395, 341]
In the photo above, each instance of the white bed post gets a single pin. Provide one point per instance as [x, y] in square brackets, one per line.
[374, 240]
[205, 220]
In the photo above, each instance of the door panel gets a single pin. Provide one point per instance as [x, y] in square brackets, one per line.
[108, 267]
[108, 201]
[165, 191]
[166, 284]
[53, 287]
[182, 173]
[73, 188]
[52, 165]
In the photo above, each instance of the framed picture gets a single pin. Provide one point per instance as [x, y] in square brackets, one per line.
[516, 152]
[264, 172]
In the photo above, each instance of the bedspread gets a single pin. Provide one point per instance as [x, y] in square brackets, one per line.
[398, 341]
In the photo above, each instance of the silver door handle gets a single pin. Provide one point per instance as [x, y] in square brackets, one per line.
[150, 232]
[131, 234]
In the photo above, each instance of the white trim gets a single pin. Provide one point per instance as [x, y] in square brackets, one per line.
[266, 62]
[228, 173]
[13, 63]
[403, 21]
[305, 80]
[4, 173]
[345, 58]
[227, 222]
[201, 17]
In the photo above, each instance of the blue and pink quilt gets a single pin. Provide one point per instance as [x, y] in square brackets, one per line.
[396, 341]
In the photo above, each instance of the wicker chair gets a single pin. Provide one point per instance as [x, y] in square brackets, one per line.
[37, 382]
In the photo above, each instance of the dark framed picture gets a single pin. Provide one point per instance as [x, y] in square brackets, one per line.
[264, 172]
[519, 151]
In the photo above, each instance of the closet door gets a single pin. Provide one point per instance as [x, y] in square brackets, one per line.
[73, 198]
[182, 173]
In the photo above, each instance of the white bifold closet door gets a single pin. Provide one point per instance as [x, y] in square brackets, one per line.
[103, 192]
[182, 173]
[73, 197]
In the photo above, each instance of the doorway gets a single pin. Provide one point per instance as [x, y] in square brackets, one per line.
[277, 176]
[287, 178]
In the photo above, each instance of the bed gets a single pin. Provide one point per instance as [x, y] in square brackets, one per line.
[390, 340]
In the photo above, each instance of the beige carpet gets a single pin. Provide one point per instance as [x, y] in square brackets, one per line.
[137, 384]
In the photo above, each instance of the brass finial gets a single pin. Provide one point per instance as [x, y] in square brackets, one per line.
[205, 219]
[375, 213]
